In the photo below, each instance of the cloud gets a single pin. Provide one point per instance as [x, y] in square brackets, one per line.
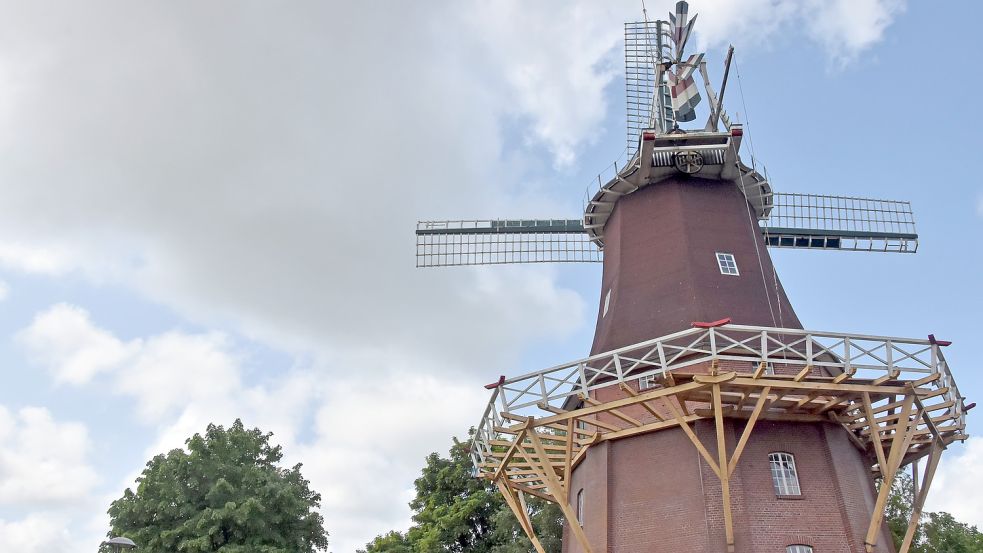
[64, 340]
[842, 28]
[43, 462]
[37, 533]
[362, 434]
[958, 485]
[4, 290]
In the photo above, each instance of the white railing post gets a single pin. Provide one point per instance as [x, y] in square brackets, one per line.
[847, 355]
[890, 356]
[764, 346]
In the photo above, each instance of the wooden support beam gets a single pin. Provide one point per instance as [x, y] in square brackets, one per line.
[760, 371]
[508, 455]
[520, 513]
[532, 491]
[920, 495]
[888, 470]
[723, 471]
[803, 373]
[693, 438]
[568, 461]
[818, 385]
[623, 402]
[628, 390]
[874, 432]
[562, 498]
[845, 375]
[615, 412]
[644, 429]
[758, 407]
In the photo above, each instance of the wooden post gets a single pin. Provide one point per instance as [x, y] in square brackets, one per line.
[693, 438]
[723, 473]
[521, 514]
[568, 452]
[916, 508]
[902, 436]
[559, 492]
[758, 407]
[875, 433]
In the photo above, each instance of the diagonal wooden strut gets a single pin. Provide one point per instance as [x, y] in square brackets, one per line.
[559, 492]
[520, 513]
[921, 494]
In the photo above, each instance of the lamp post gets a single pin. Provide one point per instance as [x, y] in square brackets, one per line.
[118, 544]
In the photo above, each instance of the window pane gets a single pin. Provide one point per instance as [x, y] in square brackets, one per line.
[783, 474]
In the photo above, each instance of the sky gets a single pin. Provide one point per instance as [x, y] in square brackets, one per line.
[207, 212]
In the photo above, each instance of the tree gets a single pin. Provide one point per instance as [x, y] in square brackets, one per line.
[456, 512]
[936, 532]
[225, 494]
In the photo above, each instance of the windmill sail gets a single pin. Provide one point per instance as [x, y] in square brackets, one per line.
[500, 241]
[840, 223]
[805, 221]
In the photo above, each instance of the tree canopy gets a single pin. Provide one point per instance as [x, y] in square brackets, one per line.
[456, 512]
[225, 494]
[936, 532]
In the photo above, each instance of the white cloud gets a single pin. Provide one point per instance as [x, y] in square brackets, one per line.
[43, 461]
[372, 426]
[64, 340]
[38, 533]
[847, 27]
[958, 485]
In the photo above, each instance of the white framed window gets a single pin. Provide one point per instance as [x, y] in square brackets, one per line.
[607, 303]
[727, 263]
[798, 548]
[783, 474]
[581, 425]
[580, 507]
[646, 382]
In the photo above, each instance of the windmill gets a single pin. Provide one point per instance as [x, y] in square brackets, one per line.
[706, 418]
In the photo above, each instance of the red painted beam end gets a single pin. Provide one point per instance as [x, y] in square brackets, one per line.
[713, 324]
[932, 340]
[493, 385]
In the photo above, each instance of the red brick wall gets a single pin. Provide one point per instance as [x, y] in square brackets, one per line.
[654, 493]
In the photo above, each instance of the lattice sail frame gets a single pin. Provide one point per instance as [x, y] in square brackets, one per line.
[812, 221]
[840, 223]
[897, 389]
[500, 241]
[646, 44]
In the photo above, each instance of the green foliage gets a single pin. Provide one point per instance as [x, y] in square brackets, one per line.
[944, 534]
[936, 533]
[225, 494]
[456, 512]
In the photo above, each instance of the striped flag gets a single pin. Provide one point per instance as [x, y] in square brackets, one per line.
[681, 27]
[682, 88]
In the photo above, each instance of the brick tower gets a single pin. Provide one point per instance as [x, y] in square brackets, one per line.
[706, 418]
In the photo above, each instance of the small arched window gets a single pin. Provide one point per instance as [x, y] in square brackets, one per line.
[784, 476]
[798, 548]
[580, 507]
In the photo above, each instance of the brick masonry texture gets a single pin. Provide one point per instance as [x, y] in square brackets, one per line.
[655, 493]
